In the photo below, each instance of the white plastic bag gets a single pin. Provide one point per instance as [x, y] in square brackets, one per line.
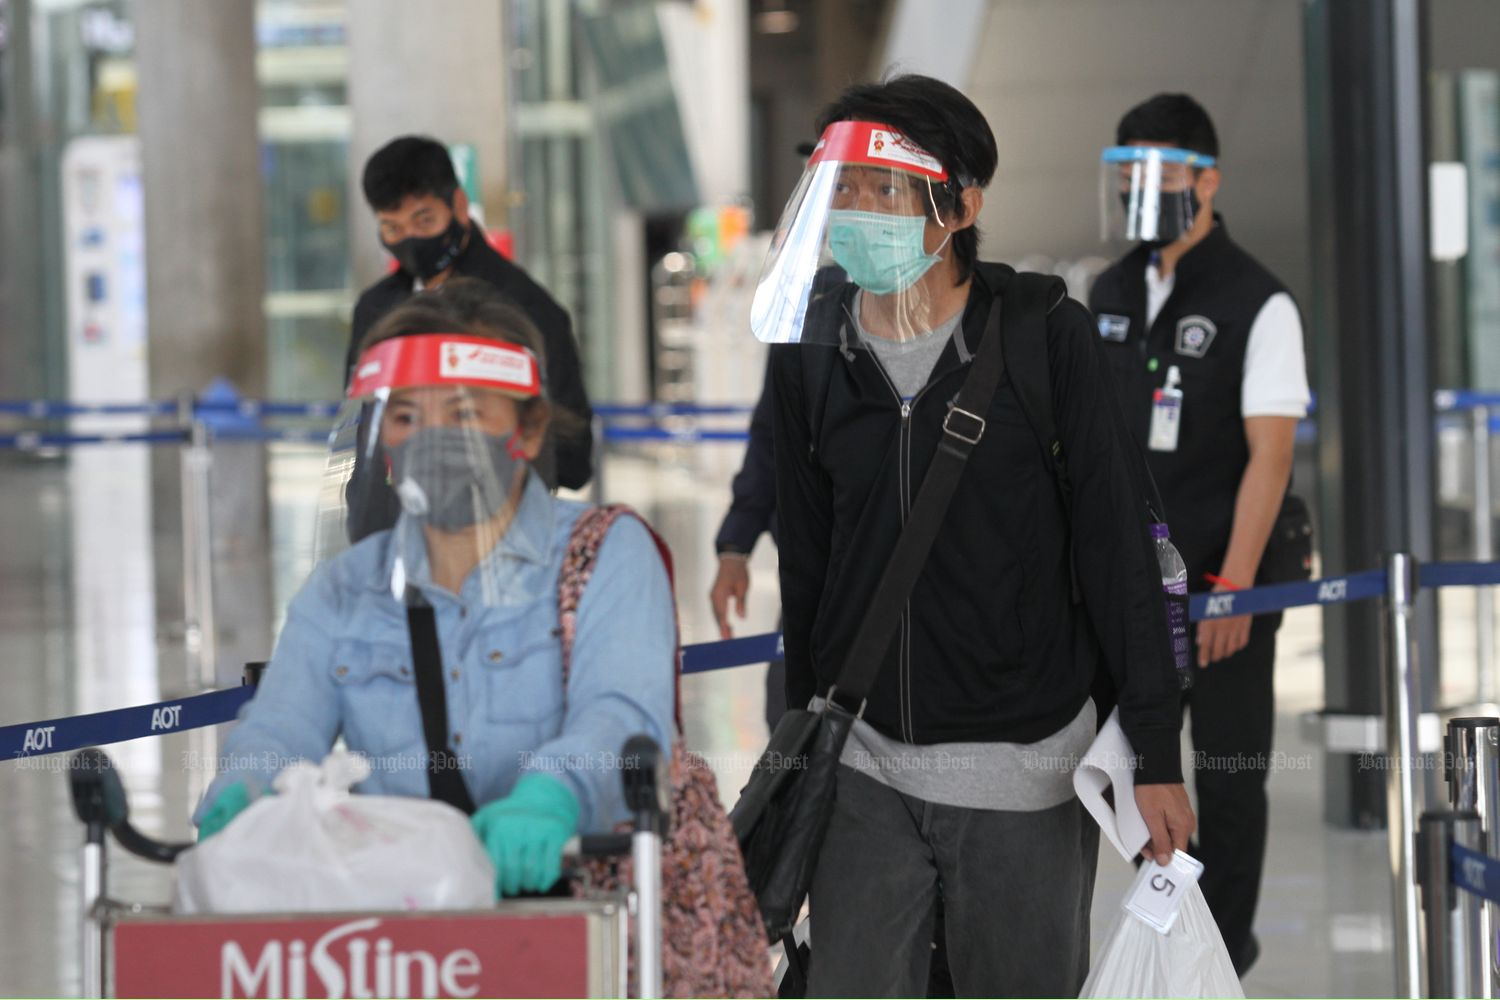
[315, 847]
[1190, 960]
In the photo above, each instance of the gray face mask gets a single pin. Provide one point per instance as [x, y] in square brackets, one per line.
[452, 477]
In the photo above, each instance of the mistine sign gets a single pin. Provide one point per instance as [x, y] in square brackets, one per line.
[342, 963]
[421, 955]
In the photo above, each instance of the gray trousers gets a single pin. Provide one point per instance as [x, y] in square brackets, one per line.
[1016, 891]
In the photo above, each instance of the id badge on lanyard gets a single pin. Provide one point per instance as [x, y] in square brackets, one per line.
[1166, 413]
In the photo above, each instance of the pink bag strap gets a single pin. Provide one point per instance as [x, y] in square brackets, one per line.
[584, 543]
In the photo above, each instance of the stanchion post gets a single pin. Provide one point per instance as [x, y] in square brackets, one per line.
[91, 897]
[201, 632]
[1475, 919]
[648, 791]
[1484, 551]
[1472, 769]
[1453, 958]
[1401, 694]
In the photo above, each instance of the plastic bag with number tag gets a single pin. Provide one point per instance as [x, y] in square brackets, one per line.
[313, 846]
[1164, 942]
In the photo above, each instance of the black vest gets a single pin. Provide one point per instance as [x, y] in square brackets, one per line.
[1202, 329]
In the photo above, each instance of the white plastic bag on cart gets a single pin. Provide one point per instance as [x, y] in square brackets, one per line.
[1138, 960]
[315, 847]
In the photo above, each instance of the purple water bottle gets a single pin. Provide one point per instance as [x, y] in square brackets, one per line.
[1174, 582]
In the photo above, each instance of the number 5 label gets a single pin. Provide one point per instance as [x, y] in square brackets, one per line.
[1157, 893]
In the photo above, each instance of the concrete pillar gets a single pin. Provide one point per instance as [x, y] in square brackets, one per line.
[200, 154]
[1367, 133]
[438, 71]
[25, 370]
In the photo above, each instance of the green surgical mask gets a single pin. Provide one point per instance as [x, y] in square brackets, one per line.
[883, 254]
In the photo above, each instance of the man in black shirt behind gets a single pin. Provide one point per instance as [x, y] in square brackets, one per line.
[423, 216]
[1206, 348]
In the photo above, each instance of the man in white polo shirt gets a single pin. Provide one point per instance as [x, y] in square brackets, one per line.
[1206, 346]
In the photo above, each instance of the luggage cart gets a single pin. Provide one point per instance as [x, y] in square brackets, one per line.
[526, 947]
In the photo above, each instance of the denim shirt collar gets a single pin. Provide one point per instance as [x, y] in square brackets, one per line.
[528, 539]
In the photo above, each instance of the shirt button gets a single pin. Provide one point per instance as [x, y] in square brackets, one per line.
[455, 675]
[458, 739]
[463, 612]
[496, 656]
[342, 671]
[405, 671]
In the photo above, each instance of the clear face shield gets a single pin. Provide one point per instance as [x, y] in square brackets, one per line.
[1146, 192]
[867, 221]
[441, 429]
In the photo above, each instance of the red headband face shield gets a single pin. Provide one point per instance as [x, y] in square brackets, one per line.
[865, 222]
[443, 426]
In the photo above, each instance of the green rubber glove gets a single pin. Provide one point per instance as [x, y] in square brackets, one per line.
[230, 803]
[524, 833]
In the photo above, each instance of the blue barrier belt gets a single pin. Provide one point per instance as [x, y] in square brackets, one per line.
[670, 410]
[1458, 574]
[30, 440]
[731, 653]
[42, 409]
[1475, 872]
[321, 409]
[45, 408]
[614, 433]
[229, 433]
[75, 732]
[1445, 400]
[1281, 596]
[59, 735]
[30, 739]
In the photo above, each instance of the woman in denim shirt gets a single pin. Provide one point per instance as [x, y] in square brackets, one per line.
[458, 413]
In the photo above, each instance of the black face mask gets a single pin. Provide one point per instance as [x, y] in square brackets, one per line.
[426, 257]
[1174, 223]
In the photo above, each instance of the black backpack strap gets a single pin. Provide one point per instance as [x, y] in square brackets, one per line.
[1032, 297]
[962, 429]
[445, 781]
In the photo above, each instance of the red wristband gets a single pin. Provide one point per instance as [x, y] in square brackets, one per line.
[1219, 581]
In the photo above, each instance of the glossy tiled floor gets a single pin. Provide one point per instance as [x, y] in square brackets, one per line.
[78, 632]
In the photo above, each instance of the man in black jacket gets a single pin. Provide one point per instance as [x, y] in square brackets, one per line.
[1188, 310]
[957, 780]
[423, 215]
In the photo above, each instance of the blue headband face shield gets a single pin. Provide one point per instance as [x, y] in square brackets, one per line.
[1146, 192]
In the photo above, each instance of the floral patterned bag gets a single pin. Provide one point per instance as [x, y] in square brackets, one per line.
[713, 941]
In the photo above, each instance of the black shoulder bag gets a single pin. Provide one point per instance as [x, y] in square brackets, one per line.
[784, 809]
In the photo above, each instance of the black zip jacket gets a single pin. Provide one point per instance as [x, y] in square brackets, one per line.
[991, 646]
[752, 507]
[572, 455]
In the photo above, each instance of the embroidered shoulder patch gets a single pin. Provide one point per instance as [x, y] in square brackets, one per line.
[1195, 334]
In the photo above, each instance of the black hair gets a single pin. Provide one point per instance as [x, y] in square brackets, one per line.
[943, 122]
[412, 165]
[472, 306]
[1174, 118]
